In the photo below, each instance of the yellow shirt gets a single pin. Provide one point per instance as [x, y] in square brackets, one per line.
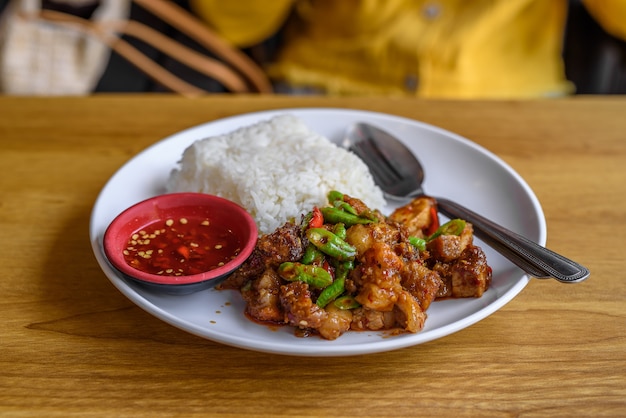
[426, 48]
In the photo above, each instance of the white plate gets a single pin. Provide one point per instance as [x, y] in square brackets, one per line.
[455, 168]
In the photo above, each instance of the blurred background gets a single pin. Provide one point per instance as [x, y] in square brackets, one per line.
[588, 56]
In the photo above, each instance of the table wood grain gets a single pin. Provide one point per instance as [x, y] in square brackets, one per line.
[72, 345]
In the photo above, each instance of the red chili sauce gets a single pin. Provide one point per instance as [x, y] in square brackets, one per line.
[181, 247]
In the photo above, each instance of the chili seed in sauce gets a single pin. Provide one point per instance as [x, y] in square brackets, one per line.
[180, 247]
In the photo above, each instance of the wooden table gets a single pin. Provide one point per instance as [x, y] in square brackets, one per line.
[72, 345]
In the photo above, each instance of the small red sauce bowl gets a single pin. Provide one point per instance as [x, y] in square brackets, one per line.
[157, 236]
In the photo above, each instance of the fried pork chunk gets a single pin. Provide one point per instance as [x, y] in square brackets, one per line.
[300, 310]
[262, 297]
[416, 216]
[461, 265]
[408, 269]
[379, 278]
[466, 277]
[284, 244]
[391, 282]
[421, 282]
[447, 248]
[302, 313]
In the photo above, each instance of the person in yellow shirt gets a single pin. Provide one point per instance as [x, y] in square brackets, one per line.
[425, 48]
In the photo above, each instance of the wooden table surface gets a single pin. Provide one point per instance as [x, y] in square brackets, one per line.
[72, 345]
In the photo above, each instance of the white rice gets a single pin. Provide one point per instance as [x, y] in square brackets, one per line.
[276, 169]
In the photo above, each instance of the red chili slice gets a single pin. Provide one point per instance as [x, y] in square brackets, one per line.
[317, 219]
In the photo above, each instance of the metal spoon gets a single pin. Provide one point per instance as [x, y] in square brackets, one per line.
[400, 176]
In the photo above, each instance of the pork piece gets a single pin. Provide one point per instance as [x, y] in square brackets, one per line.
[406, 314]
[379, 277]
[300, 311]
[336, 323]
[368, 319]
[421, 282]
[445, 290]
[362, 237]
[409, 314]
[450, 247]
[467, 276]
[284, 244]
[471, 275]
[416, 216]
[262, 297]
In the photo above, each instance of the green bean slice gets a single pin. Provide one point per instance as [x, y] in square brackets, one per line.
[334, 216]
[452, 227]
[314, 276]
[418, 243]
[330, 244]
[346, 302]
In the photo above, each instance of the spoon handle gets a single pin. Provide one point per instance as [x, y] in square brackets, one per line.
[531, 257]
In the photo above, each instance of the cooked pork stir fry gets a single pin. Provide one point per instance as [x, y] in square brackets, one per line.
[348, 267]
